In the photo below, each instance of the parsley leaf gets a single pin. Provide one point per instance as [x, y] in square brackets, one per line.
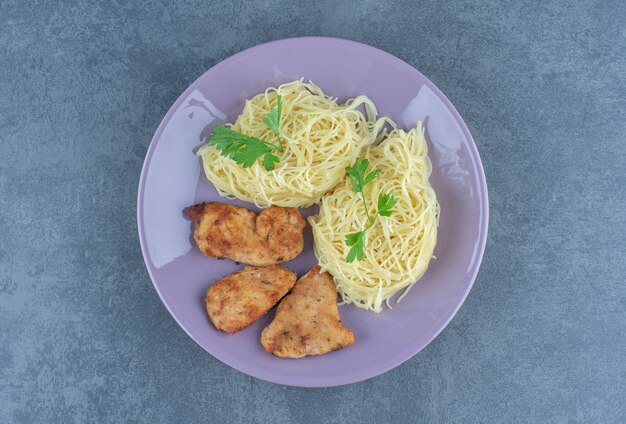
[269, 161]
[245, 150]
[357, 241]
[359, 178]
[385, 204]
[272, 120]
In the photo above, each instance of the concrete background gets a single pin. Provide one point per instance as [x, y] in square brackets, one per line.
[83, 334]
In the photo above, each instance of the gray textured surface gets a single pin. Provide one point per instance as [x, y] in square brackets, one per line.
[84, 336]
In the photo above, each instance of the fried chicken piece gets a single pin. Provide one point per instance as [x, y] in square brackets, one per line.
[239, 299]
[226, 231]
[307, 320]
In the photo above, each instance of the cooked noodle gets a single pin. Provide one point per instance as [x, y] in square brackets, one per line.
[399, 247]
[321, 138]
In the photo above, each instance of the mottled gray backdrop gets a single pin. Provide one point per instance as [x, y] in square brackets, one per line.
[83, 334]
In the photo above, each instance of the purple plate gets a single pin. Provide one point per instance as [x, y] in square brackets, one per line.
[172, 179]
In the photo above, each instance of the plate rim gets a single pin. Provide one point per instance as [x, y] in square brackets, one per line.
[482, 239]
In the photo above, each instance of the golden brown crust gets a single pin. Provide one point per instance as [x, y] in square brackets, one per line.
[224, 231]
[239, 299]
[307, 320]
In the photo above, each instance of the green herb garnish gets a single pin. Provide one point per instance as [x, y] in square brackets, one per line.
[359, 178]
[272, 120]
[245, 150]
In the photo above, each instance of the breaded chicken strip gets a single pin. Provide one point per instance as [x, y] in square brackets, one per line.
[307, 320]
[225, 231]
[239, 299]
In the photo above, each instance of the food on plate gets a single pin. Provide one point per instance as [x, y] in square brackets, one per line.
[226, 231]
[359, 178]
[245, 149]
[289, 146]
[239, 299]
[292, 146]
[307, 320]
[397, 250]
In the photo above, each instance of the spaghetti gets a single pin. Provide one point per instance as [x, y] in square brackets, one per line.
[321, 138]
[399, 247]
